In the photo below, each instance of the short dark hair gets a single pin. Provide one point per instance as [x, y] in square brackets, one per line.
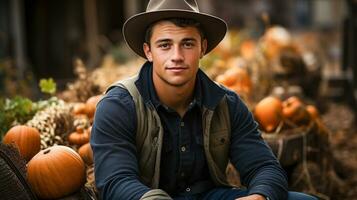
[180, 22]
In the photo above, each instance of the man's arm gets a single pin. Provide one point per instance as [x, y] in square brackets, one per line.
[258, 167]
[114, 147]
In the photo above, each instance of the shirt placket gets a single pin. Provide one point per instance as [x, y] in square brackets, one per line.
[186, 154]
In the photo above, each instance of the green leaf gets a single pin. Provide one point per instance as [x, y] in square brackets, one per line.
[18, 109]
[48, 86]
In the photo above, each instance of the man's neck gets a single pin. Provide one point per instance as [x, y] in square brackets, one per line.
[177, 98]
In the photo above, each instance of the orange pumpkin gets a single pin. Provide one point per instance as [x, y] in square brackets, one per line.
[294, 110]
[247, 49]
[291, 106]
[222, 80]
[314, 114]
[56, 172]
[91, 105]
[86, 153]
[237, 79]
[26, 138]
[268, 113]
[80, 109]
[79, 137]
[312, 110]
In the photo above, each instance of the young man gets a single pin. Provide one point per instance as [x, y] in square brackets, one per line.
[169, 132]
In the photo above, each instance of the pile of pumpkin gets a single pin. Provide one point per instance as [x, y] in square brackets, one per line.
[237, 79]
[272, 112]
[56, 171]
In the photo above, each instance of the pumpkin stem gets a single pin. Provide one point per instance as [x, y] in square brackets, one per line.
[79, 129]
[47, 151]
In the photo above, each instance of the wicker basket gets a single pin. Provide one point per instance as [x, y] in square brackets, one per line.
[13, 184]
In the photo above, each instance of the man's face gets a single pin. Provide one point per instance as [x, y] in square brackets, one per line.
[175, 53]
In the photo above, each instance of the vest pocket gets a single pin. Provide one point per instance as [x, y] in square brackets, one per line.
[219, 138]
[219, 148]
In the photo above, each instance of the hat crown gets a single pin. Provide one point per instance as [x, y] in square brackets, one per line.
[187, 5]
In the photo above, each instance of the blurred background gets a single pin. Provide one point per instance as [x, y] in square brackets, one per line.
[56, 55]
[40, 38]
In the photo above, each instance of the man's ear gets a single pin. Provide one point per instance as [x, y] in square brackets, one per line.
[204, 47]
[147, 51]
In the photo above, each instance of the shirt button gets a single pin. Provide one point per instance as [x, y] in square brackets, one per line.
[183, 148]
[188, 189]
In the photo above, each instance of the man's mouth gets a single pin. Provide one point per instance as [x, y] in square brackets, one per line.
[176, 69]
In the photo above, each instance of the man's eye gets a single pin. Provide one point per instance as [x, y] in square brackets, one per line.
[164, 46]
[188, 44]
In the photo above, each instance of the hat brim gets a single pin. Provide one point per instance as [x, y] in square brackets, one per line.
[135, 27]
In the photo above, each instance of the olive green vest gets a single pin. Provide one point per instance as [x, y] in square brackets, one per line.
[149, 137]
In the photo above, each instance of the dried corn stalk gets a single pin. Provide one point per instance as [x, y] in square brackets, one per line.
[83, 88]
[81, 122]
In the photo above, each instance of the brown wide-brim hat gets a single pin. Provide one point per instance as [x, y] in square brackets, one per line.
[134, 28]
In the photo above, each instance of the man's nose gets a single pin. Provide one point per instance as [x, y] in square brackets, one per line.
[177, 54]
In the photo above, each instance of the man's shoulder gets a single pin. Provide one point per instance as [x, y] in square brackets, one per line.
[235, 103]
[116, 102]
[117, 92]
[232, 96]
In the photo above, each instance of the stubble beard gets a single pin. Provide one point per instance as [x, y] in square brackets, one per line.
[170, 83]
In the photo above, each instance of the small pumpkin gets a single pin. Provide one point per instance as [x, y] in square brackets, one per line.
[237, 79]
[80, 109]
[294, 110]
[315, 115]
[227, 79]
[26, 138]
[56, 172]
[91, 105]
[79, 137]
[291, 106]
[312, 110]
[247, 49]
[223, 80]
[86, 153]
[268, 113]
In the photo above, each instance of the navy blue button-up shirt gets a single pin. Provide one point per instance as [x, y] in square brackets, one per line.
[183, 163]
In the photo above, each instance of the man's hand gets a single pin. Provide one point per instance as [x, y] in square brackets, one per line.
[253, 197]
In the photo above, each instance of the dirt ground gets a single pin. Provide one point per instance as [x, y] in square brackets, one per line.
[340, 120]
